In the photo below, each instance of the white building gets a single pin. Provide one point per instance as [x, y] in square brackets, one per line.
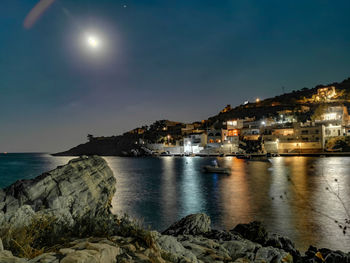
[195, 143]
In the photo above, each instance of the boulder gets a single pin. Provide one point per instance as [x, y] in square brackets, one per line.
[222, 235]
[7, 257]
[206, 250]
[284, 243]
[195, 224]
[174, 250]
[325, 255]
[254, 231]
[270, 254]
[241, 249]
[91, 252]
[83, 187]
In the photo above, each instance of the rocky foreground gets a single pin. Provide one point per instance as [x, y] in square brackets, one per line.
[64, 216]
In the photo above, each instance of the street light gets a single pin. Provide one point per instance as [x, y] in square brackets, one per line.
[168, 139]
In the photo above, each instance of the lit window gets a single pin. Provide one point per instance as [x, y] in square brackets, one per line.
[330, 116]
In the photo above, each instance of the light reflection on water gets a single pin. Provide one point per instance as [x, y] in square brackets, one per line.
[162, 190]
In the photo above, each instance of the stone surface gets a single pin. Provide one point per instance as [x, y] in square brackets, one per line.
[253, 231]
[7, 257]
[314, 254]
[270, 254]
[284, 243]
[195, 224]
[91, 252]
[176, 250]
[83, 187]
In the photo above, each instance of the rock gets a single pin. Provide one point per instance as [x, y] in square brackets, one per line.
[21, 216]
[311, 251]
[325, 255]
[2, 218]
[46, 258]
[253, 231]
[83, 187]
[195, 224]
[241, 249]
[205, 249]
[2, 195]
[242, 260]
[174, 250]
[86, 252]
[222, 235]
[7, 257]
[270, 254]
[284, 243]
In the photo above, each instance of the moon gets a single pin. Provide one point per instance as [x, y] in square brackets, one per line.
[93, 41]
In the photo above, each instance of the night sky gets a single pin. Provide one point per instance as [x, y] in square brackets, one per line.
[180, 60]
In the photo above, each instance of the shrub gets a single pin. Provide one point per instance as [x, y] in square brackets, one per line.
[47, 234]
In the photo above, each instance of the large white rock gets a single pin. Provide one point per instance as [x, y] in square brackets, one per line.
[85, 186]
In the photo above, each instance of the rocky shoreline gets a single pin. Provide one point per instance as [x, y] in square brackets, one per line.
[64, 216]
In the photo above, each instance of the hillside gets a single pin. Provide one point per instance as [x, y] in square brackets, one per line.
[295, 101]
[104, 146]
[288, 101]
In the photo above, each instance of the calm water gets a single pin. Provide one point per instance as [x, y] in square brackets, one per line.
[162, 190]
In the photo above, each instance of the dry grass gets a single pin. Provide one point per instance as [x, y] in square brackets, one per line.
[128, 227]
[27, 241]
[47, 234]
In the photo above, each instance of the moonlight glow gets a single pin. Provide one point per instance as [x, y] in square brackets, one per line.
[93, 41]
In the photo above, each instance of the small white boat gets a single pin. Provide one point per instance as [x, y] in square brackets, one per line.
[216, 169]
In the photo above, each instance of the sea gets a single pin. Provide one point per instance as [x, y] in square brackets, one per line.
[298, 197]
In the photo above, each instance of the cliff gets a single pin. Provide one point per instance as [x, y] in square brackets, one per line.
[82, 191]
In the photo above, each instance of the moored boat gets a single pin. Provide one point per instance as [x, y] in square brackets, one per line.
[216, 169]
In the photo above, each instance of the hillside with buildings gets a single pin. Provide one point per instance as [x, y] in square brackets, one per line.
[306, 121]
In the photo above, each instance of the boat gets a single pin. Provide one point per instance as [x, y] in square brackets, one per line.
[216, 169]
[262, 158]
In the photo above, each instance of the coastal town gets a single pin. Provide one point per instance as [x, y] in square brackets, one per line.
[288, 132]
[310, 121]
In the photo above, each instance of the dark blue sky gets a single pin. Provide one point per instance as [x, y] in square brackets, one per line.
[180, 60]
